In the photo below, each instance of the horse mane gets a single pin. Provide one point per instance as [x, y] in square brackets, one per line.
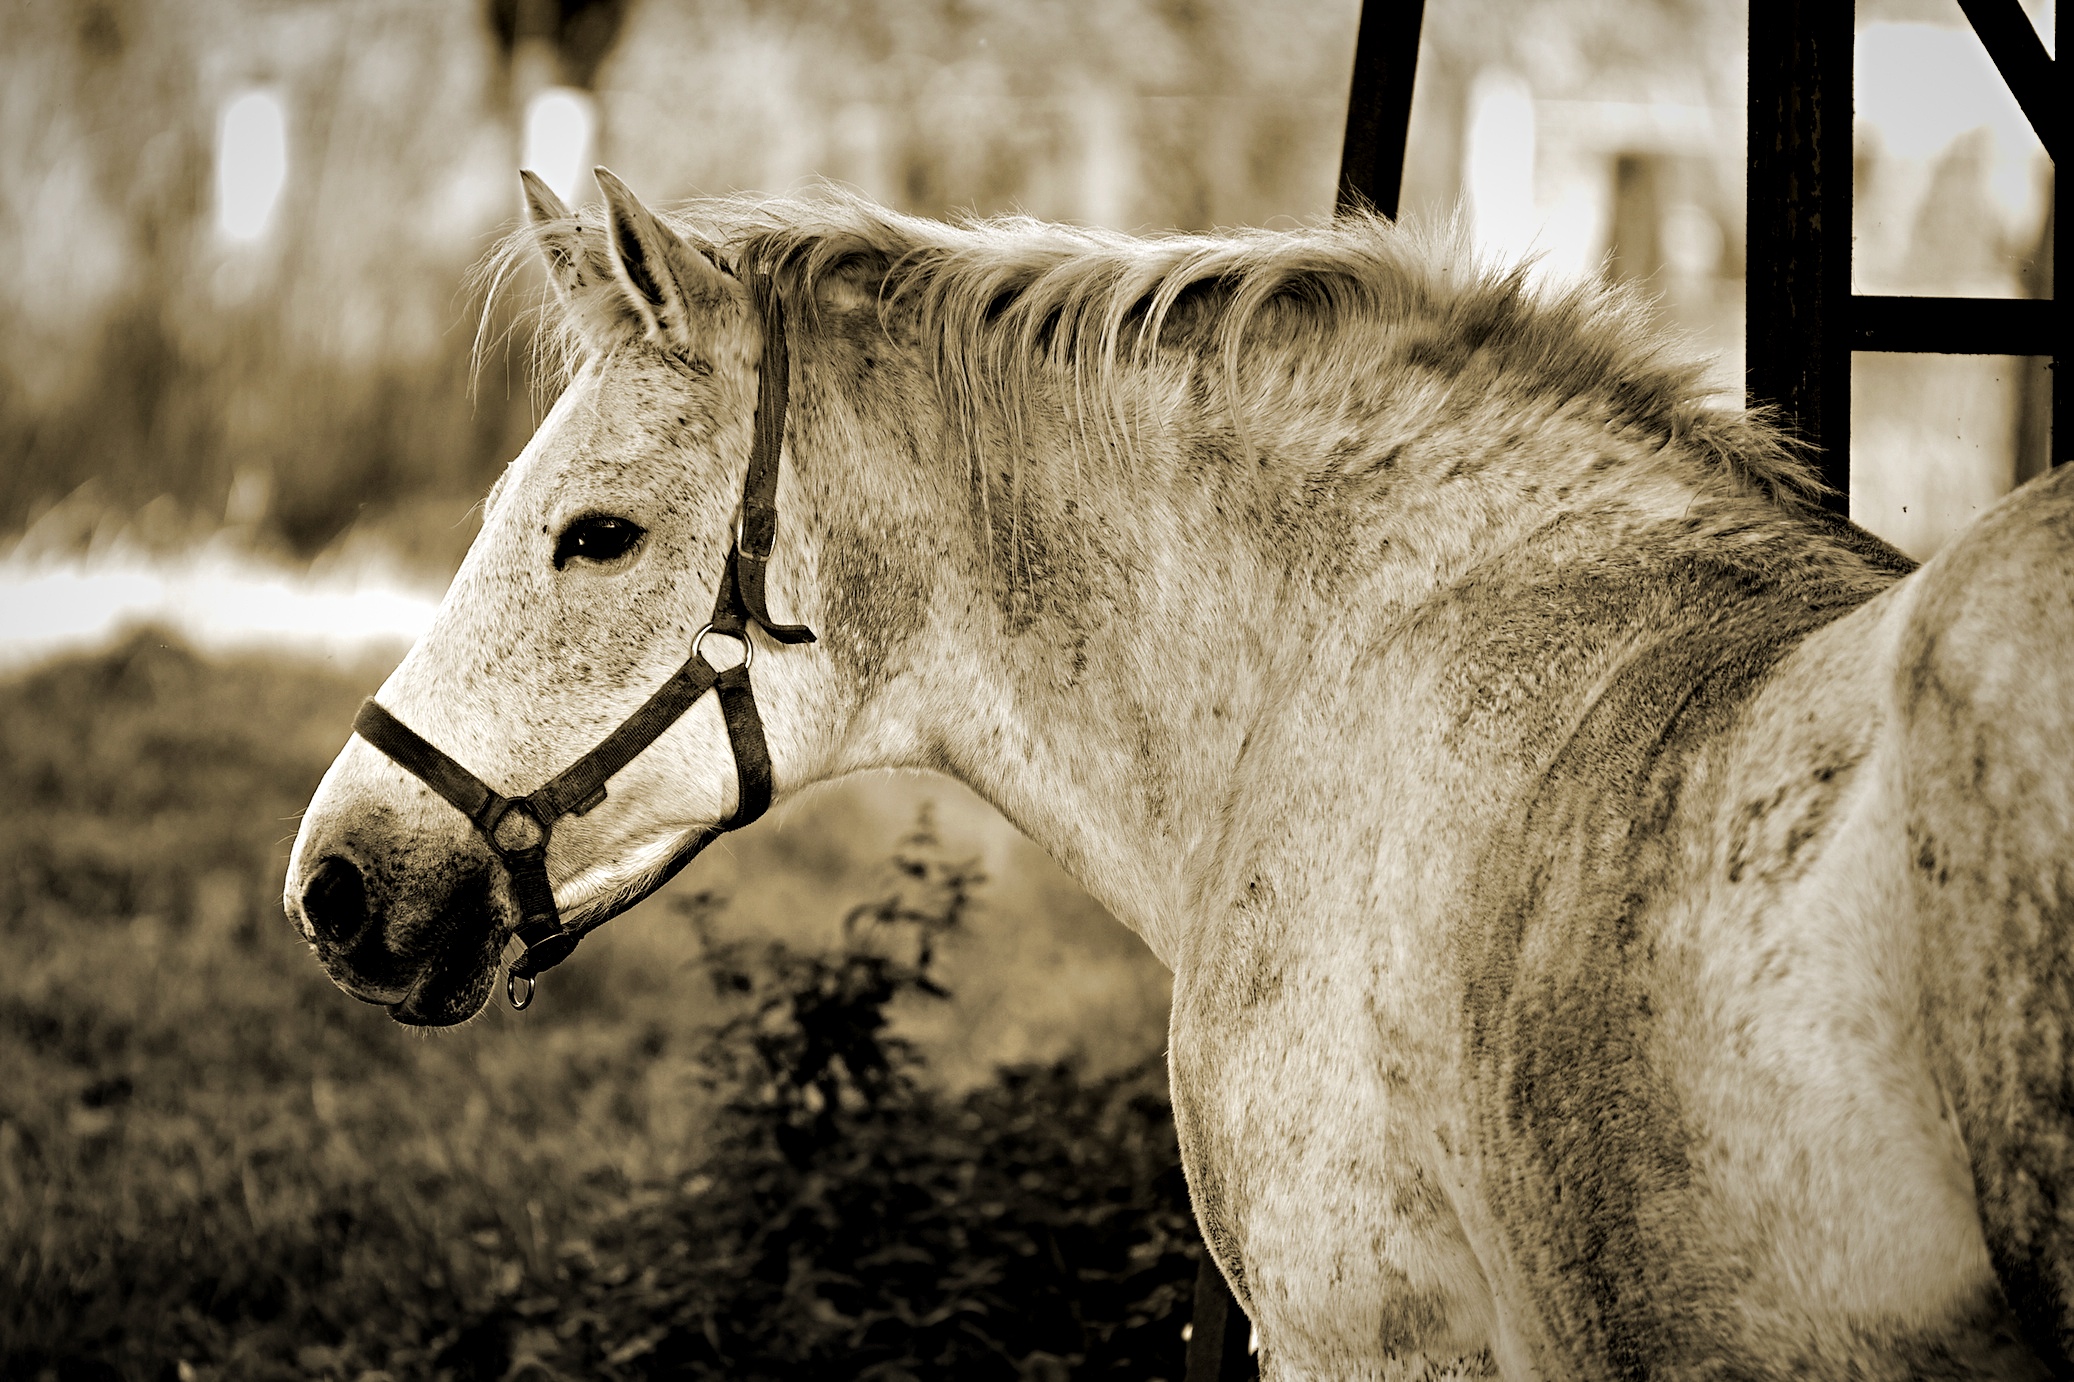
[1012, 304]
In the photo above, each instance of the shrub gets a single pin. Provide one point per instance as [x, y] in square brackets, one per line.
[853, 1221]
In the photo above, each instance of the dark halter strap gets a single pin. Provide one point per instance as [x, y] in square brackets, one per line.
[517, 829]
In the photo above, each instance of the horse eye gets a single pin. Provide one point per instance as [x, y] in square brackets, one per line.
[597, 539]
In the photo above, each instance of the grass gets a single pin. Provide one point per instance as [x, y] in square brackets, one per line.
[701, 1158]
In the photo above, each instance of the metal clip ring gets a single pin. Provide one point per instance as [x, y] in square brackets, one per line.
[748, 647]
[519, 998]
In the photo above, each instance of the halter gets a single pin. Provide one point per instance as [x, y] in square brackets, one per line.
[517, 829]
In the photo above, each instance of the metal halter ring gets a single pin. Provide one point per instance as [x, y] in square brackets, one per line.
[518, 997]
[748, 647]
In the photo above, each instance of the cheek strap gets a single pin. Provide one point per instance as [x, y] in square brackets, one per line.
[518, 829]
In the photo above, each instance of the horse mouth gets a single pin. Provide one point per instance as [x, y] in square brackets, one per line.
[443, 969]
[440, 995]
[425, 990]
[445, 995]
[374, 996]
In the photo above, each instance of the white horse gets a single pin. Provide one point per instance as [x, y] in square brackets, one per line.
[1622, 920]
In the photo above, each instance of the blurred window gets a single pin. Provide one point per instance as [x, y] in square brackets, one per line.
[251, 163]
[1500, 165]
[1636, 254]
[561, 123]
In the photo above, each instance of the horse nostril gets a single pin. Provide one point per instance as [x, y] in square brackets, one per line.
[335, 901]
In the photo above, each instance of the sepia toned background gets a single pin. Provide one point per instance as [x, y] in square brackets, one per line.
[241, 448]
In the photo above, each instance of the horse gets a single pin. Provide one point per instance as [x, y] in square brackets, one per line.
[1620, 912]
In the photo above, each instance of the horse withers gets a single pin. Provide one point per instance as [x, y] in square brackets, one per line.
[1622, 917]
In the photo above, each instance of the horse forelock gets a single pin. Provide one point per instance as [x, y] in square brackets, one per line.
[1011, 307]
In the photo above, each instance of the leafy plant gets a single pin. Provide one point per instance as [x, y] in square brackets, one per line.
[852, 1221]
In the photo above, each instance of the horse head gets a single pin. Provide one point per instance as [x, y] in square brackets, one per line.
[602, 547]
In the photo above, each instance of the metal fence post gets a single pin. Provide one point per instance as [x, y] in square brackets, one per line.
[1797, 288]
[1218, 1331]
[1386, 64]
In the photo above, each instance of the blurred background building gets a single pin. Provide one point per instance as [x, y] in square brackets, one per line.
[235, 388]
[242, 228]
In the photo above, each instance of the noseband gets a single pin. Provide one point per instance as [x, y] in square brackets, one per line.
[517, 829]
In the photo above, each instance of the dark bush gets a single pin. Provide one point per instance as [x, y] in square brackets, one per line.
[852, 1221]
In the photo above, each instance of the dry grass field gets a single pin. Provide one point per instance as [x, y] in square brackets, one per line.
[702, 1154]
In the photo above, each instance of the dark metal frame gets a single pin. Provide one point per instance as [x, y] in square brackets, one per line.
[1802, 322]
[1386, 60]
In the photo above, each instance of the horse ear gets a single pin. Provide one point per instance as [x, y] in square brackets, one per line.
[666, 280]
[555, 231]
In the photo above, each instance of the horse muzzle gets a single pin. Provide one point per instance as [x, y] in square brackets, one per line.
[418, 936]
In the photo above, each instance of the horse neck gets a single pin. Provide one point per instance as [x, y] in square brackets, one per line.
[1141, 597]
[1124, 652]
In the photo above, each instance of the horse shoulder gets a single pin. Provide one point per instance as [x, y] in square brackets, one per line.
[1705, 1124]
[1833, 1175]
